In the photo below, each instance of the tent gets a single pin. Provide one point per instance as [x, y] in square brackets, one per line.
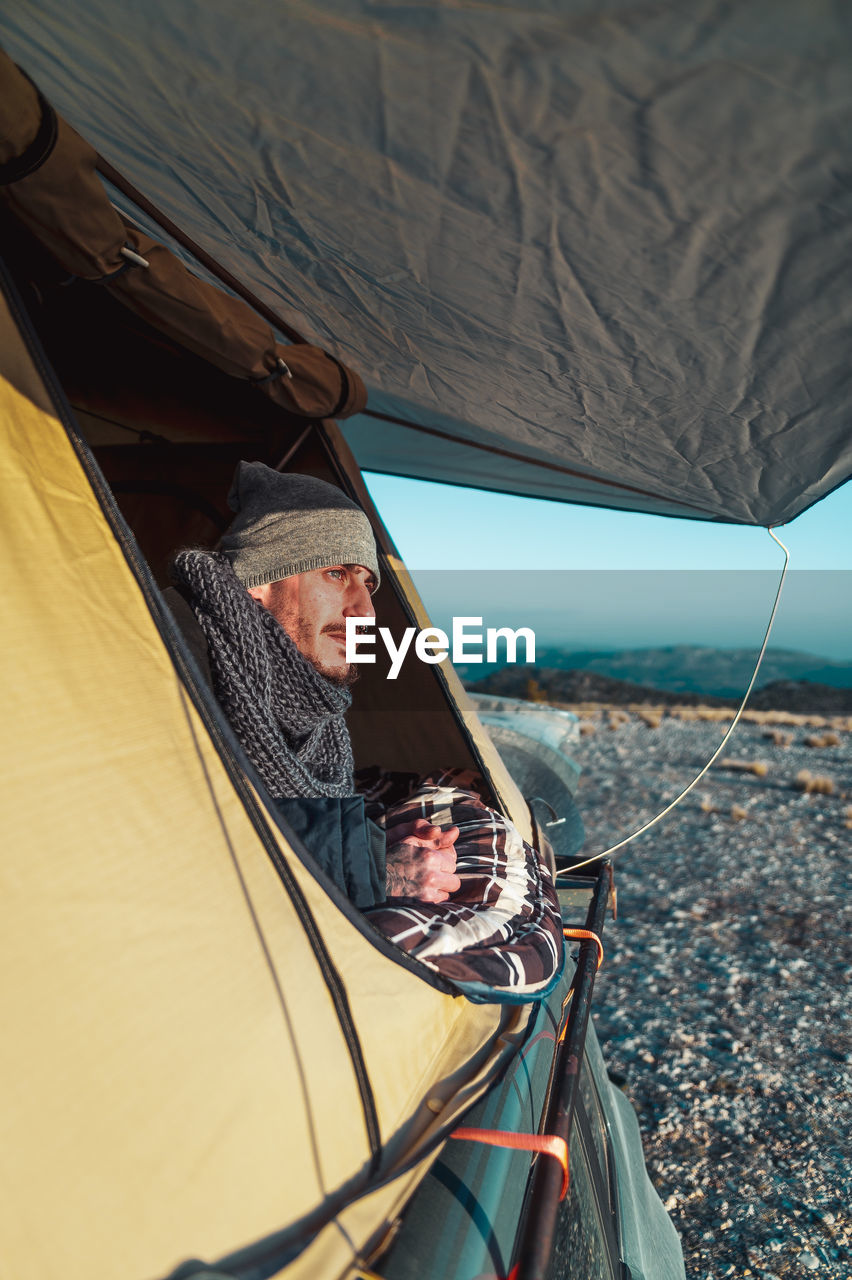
[584, 251]
[570, 256]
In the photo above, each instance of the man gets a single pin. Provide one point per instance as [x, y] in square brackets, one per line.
[266, 619]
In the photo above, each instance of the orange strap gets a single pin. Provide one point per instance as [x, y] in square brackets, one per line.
[547, 1143]
[582, 935]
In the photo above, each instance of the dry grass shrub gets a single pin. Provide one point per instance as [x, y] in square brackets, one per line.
[533, 691]
[799, 719]
[779, 737]
[793, 719]
[758, 767]
[848, 817]
[715, 715]
[813, 784]
[767, 717]
[707, 805]
[829, 739]
[651, 711]
[651, 717]
[738, 813]
[587, 727]
[583, 710]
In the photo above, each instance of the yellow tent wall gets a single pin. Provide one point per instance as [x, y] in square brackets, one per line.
[175, 1077]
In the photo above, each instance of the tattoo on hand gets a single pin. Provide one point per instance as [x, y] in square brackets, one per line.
[401, 883]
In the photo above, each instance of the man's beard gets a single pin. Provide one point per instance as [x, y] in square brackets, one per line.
[343, 679]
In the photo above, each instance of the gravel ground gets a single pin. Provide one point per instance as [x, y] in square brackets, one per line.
[723, 1006]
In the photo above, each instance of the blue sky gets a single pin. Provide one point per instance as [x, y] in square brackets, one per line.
[477, 550]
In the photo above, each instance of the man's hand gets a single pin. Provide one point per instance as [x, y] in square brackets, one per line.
[421, 861]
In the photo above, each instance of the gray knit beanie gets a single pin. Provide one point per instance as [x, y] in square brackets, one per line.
[289, 524]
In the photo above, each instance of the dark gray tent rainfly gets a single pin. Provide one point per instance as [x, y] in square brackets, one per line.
[587, 252]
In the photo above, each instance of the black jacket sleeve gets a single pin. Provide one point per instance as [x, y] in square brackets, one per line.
[343, 841]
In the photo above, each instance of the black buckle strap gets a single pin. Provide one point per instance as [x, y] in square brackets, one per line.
[33, 156]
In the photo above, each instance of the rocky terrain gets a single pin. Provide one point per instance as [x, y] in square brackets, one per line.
[724, 1004]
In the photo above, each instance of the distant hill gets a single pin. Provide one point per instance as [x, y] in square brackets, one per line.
[690, 669]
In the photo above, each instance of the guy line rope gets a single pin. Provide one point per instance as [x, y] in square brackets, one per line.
[653, 821]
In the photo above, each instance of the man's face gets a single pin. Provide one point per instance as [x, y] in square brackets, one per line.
[313, 607]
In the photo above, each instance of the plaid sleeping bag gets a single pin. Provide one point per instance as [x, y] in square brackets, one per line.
[502, 929]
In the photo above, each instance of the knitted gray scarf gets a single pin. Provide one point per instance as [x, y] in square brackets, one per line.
[288, 717]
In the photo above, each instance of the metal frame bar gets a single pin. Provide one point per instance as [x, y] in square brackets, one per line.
[534, 1241]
